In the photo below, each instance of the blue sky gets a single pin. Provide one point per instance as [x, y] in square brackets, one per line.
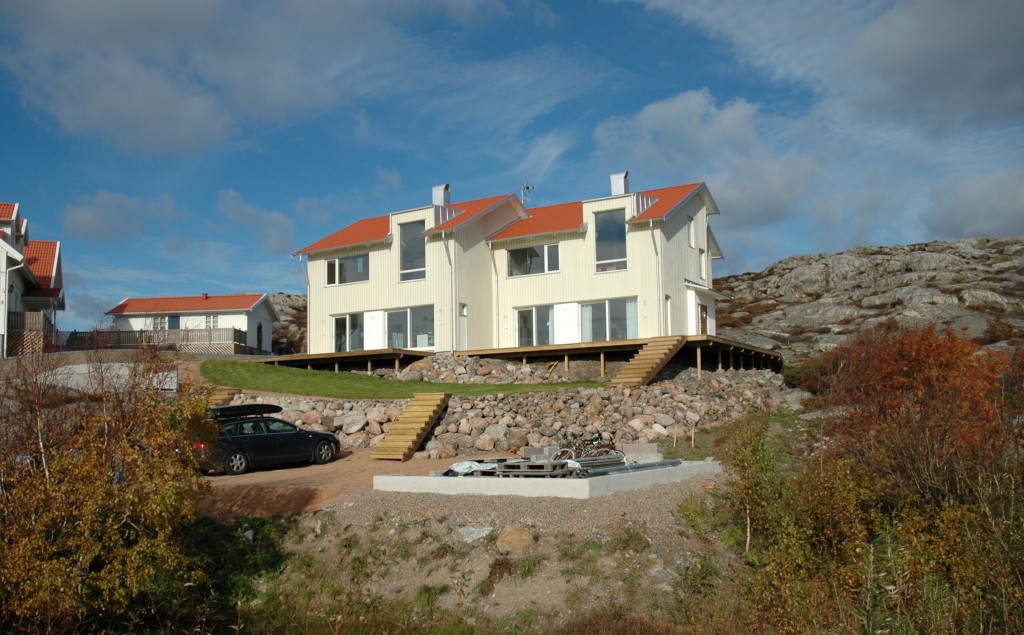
[191, 146]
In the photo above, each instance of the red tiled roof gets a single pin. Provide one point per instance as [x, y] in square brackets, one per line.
[665, 200]
[41, 256]
[545, 220]
[188, 304]
[361, 232]
[470, 210]
[7, 210]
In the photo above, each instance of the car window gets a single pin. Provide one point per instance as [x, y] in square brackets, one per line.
[276, 425]
[229, 429]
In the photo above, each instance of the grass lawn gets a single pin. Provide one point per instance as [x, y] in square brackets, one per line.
[347, 385]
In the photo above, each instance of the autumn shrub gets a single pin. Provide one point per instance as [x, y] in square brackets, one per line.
[97, 484]
[906, 516]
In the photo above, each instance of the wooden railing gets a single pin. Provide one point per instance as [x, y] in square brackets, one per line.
[28, 321]
[171, 338]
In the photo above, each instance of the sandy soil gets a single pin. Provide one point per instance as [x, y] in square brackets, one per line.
[308, 488]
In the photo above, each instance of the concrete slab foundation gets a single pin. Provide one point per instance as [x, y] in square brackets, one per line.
[581, 488]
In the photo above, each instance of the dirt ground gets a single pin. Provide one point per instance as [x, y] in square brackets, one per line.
[302, 489]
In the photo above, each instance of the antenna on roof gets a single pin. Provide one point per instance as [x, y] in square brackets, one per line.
[523, 189]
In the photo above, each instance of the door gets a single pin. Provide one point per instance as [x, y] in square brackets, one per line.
[703, 319]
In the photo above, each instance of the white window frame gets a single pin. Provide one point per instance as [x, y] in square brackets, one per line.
[632, 324]
[417, 273]
[211, 322]
[548, 255]
[412, 331]
[160, 323]
[612, 264]
[702, 256]
[336, 266]
[535, 327]
[691, 231]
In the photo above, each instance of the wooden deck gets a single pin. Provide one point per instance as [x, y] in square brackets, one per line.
[699, 351]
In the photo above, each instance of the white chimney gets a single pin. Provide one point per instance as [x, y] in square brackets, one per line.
[442, 194]
[620, 183]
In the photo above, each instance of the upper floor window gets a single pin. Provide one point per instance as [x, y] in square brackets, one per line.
[691, 231]
[540, 259]
[414, 251]
[355, 268]
[703, 262]
[610, 231]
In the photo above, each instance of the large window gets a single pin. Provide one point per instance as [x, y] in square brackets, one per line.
[354, 268]
[608, 320]
[414, 251]
[536, 325]
[540, 259]
[610, 230]
[348, 333]
[412, 327]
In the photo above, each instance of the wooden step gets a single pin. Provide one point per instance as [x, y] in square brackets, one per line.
[412, 427]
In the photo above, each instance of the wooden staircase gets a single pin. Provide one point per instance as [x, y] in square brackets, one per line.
[411, 427]
[649, 360]
[221, 396]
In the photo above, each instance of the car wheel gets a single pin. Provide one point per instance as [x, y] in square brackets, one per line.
[236, 463]
[323, 453]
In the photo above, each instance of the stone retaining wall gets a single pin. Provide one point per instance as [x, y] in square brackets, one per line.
[502, 422]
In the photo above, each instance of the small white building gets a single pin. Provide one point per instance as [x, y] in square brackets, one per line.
[490, 273]
[225, 324]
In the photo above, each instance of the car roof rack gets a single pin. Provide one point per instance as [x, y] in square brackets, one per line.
[249, 410]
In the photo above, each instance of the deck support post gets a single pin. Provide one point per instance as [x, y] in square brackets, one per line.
[700, 370]
[719, 359]
[566, 362]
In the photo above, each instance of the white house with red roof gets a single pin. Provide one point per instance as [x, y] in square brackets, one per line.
[32, 288]
[224, 324]
[491, 273]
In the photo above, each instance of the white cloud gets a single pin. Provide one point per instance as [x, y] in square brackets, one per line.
[982, 205]
[106, 216]
[688, 137]
[180, 78]
[273, 229]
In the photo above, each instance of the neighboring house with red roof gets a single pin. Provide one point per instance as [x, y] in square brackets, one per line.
[491, 273]
[220, 324]
[32, 291]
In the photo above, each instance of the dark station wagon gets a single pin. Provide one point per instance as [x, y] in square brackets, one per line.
[250, 438]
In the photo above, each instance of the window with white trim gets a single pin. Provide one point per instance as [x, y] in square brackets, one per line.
[160, 323]
[691, 231]
[354, 268]
[411, 328]
[348, 333]
[614, 319]
[530, 260]
[536, 325]
[211, 321]
[610, 235]
[413, 248]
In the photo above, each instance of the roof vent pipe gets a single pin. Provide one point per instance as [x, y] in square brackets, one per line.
[620, 183]
[442, 194]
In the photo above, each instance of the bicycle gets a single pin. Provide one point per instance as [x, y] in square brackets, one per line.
[594, 448]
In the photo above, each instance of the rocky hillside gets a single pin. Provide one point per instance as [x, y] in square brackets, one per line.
[290, 331]
[804, 305]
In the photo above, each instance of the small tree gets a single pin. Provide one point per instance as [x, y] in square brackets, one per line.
[97, 484]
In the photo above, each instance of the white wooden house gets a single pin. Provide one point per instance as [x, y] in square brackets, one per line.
[490, 273]
[31, 286]
[227, 324]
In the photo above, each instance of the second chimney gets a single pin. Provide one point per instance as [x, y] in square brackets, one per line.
[442, 194]
[620, 183]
